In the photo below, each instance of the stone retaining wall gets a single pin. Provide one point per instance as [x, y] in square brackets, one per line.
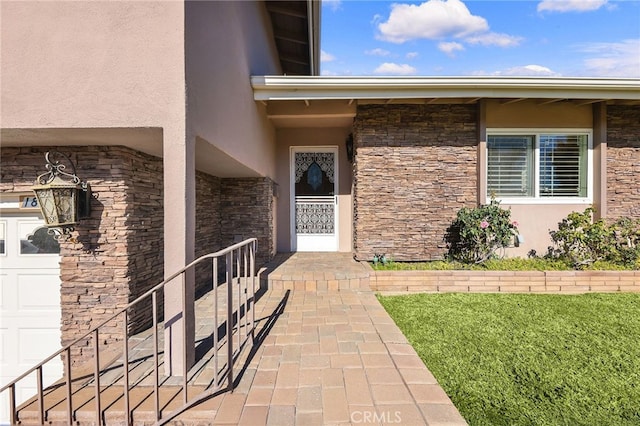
[505, 281]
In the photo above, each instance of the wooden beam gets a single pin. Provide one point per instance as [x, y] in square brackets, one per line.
[293, 60]
[550, 101]
[272, 8]
[592, 101]
[513, 101]
[292, 37]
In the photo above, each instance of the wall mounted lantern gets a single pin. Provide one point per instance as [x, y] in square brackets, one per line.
[62, 197]
[349, 146]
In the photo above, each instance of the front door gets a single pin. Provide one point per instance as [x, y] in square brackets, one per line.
[314, 180]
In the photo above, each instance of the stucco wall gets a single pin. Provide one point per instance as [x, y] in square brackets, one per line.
[226, 43]
[623, 161]
[531, 114]
[92, 64]
[291, 137]
[415, 167]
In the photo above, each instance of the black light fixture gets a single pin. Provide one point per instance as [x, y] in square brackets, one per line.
[349, 145]
[63, 198]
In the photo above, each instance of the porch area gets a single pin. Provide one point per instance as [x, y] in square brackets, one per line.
[323, 351]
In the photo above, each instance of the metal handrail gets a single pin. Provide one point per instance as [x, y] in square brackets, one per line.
[249, 245]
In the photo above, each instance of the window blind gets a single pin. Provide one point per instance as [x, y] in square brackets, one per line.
[510, 166]
[563, 166]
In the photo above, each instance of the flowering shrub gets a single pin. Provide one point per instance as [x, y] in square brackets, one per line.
[582, 241]
[478, 233]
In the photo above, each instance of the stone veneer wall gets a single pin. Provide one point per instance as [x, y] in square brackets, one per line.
[623, 161]
[208, 226]
[247, 211]
[415, 167]
[117, 253]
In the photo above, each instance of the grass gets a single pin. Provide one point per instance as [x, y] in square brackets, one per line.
[529, 359]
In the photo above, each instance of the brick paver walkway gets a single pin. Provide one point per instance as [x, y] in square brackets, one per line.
[325, 352]
[330, 357]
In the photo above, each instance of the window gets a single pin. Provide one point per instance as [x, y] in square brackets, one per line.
[35, 239]
[553, 165]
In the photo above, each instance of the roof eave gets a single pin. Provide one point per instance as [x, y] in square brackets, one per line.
[325, 88]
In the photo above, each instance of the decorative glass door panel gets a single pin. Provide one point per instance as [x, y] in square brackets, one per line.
[314, 188]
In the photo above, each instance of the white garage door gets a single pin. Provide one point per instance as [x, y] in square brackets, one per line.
[29, 303]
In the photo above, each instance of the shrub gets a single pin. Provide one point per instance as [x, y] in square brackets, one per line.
[627, 232]
[478, 233]
[581, 241]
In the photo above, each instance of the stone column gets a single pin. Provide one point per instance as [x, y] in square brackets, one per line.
[179, 243]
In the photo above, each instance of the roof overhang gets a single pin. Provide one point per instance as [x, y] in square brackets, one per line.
[296, 31]
[333, 101]
[287, 88]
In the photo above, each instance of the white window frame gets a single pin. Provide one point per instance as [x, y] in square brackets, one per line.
[536, 133]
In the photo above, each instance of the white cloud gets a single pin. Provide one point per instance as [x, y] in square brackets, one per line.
[450, 47]
[570, 5]
[412, 55]
[529, 70]
[332, 4]
[389, 68]
[620, 59]
[494, 39]
[523, 71]
[431, 20]
[326, 57]
[328, 72]
[437, 19]
[377, 52]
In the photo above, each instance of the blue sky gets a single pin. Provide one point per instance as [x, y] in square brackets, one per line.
[568, 38]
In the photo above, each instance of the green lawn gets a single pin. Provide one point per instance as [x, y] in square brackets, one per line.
[530, 359]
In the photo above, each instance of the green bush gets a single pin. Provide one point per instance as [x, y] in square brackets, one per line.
[582, 241]
[627, 232]
[477, 234]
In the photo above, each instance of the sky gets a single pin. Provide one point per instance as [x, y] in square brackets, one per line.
[558, 38]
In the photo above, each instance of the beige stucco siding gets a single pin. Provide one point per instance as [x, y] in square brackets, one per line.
[92, 64]
[289, 137]
[226, 43]
[534, 114]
